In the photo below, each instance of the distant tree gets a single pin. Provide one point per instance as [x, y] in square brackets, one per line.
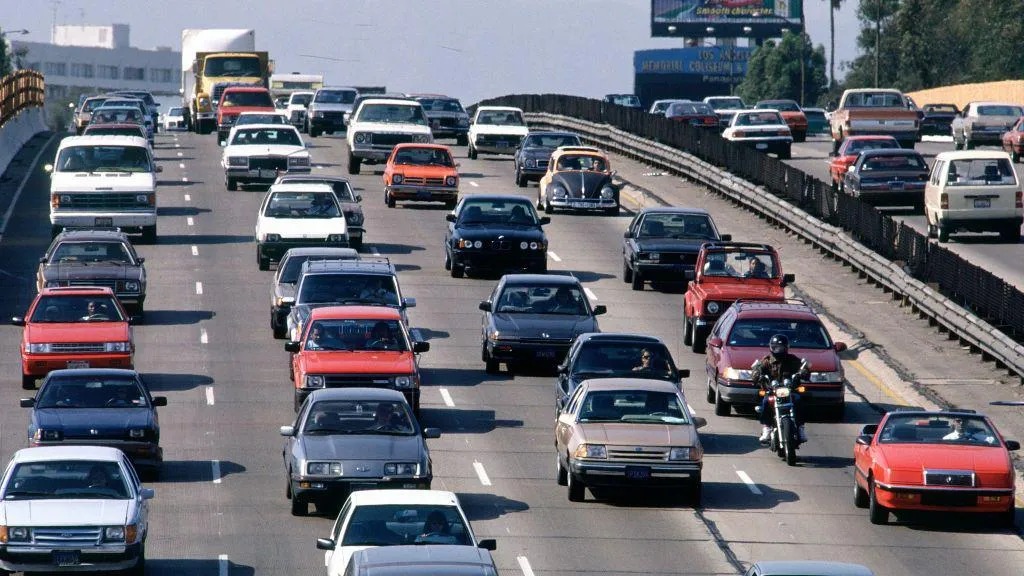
[774, 71]
[5, 57]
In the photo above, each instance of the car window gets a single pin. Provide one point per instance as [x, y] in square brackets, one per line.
[174, 111]
[356, 335]
[759, 119]
[301, 99]
[269, 136]
[780, 105]
[740, 264]
[858, 146]
[246, 118]
[873, 100]
[67, 479]
[500, 117]
[638, 406]
[497, 212]
[424, 157]
[542, 299]
[91, 252]
[894, 162]
[589, 162]
[335, 96]
[756, 332]
[980, 171]
[640, 359]
[94, 158]
[679, 226]
[355, 417]
[302, 205]
[65, 309]
[551, 141]
[1000, 110]
[395, 524]
[233, 98]
[342, 514]
[91, 391]
[349, 289]
[937, 428]
[441, 105]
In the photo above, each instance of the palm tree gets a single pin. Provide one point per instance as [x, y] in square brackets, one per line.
[833, 6]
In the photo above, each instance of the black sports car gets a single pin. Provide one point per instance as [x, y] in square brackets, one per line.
[98, 407]
[495, 232]
[661, 244]
[533, 154]
[938, 119]
[532, 318]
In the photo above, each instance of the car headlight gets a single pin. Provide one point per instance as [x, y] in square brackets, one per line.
[591, 451]
[354, 218]
[558, 191]
[272, 238]
[47, 435]
[313, 381]
[421, 138]
[535, 246]
[114, 533]
[451, 181]
[334, 238]
[131, 286]
[494, 335]
[712, 307]
[17, 534]
[397, 178]
[117, 346]
[652, 256]
[826, 377]
[530, 163]
[403, 381]
[524, 245]
[402, 469]
[463, 121]
[324, 469]
[680, 453]
[318, 114]
[298, 160]
[360, 138]
[736, 374]
[33, 348]
[238, 161]
[607, 193]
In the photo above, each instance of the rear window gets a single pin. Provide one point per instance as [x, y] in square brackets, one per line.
[980, 171]
[899, 162]
[1000, 110]
[759, 119]
[349, 289]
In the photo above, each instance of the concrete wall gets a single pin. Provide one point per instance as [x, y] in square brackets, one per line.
[17, 131]
[961, 94]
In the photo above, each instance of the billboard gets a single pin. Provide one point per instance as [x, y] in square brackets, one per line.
[724, 18]
[719, 64]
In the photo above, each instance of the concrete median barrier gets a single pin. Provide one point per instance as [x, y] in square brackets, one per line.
[17, 131]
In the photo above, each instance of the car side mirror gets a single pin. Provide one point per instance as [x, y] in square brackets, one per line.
[700, 422]
[600, 309]
[324, 544]
[545, 220]
[627, 234]
[408, 302]
[159, 401]
[18, 321]
[224, 144]
[563, 368]
[788, 279]
[432, 433]
[725, 237]
[27, 402]
[135, 319]
[42, 259]
[683, 373]
[715, 342]
[488, 544]
[450, 217]
[142, 260]
[291, 346]
[287, 431]
[158, 168]
[864, 439]
[485, 306]
[359, 198]
[420, 346]
[1012, 445]
[289, 300]
[869, 429]
[839, 346]
[147, 493]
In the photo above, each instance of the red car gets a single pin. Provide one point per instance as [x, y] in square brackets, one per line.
[73, 328]
[1013, 140]
[423, 172]
[356, 346]
[953, 461]
[791, 113]
[840, 162]
[694, 113]
[741, 336]
[237, 99]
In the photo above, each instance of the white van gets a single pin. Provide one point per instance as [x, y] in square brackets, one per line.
[973, 191]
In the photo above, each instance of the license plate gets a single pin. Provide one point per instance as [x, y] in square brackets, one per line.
[265, 173]
[579, 205]
[638, 472]
[761, 146]
[78, 364]
[423, 194]
[550, 354]
[502, 144]
[106, 222]
[896, 185]
[66, 557]
[982, 203]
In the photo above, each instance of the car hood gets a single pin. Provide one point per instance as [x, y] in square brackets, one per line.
[236, 110]
[584, 183]
[56, 512]
[491, 231]
[363, 362]
[363, 447]
[635, 434]
[556, 326]
[109, 181]
[64, 271]
[425, 171]
[302, 227]
[391, 127]
[265, 150]
[742, 358]
[79, 421]
[917, 457]
[671, 244]
[756, 289]
[500, 129]
[77, 332]
[537, 152]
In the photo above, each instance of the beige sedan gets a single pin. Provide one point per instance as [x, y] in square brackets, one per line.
[628, 433]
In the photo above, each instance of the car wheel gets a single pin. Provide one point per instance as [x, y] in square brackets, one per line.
[520, 179]
[709, 395]
[149, 234]
[296, 400]
[28, 382]
[491, 366]
[356, 242]
[878, 514]
[786, 153]
[447, 261]
[313, 132]
[288, 486]
[280, 331]
[457, 270]
[860, 496]
[722, 408]
[575, 488]
[261, 262]
[353, 164]
[612, 211]
[627, 272]
[1008, 519]
[698, 338]
[968, 144]
[299, 508]
[942, 233]
[561, 476]
[472, 152]
[1014, 155]
[389, 199]
[231, 184]
[637, 282]
[687, 333]
[1010, 234]
[140, 565]
[695, 492]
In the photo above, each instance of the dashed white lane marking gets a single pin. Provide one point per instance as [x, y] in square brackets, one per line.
[554, 256]
[481, 473]
[750, 483]
[184, 178]
[447, 398]
[204, 338]
[199, 287]
[524, 565]
[190, 221]
[474, 184]
[188, 198]
[209, 395]
[176, 145]
[374, 252]
[181, 165]
[195, 251]
[215, 464]
[180, 154]
[222, 565]
[590, 293]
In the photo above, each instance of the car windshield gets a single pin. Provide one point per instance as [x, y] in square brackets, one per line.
[441, 105]
[356, 335]
[551, 140]
[624, 359]
[246, 98]
[980, 171]
[67, 479]
[335, 96]
[756, 332]
[302, 205]
[660, 106]
[726, 103]
[342, 189]
[174, 111]
[352, 417]
[292, 265]
[116, 116]
[396, 524]
[500, 117]
[91, 391]
[92, 104]
[815, 114]
[874, 100]
[858, 146]
[759, 119]
[679, 226]
[349, 289]
[626, 100]
[387, 113]
[516, 212]
[102, 130]
[780, 105]
[68, 308]
[268, 118]
[740, 264]
[144, 96]
[1001, 110]
[424, 157]
[268, 136]
[301, 99]
[639, 406]
[589, 162]
[228, 66]
[942, 108]
[542, 299]
[937, 429]
[91, 251]
[894, 162]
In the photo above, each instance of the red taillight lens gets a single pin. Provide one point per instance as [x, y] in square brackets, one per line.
[944, 201]
[1020, 199]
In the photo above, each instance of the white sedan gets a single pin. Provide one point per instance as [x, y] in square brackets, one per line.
[173, 119]
[763, 130]
[373, 518]
[259, 153]
[496, 130]
[298, 215]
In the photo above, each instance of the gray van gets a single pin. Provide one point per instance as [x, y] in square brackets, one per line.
[420, 560]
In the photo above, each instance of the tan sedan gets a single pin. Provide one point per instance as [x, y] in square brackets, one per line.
[628, 433]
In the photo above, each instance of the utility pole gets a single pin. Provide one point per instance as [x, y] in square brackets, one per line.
[803, 55]
[878, 39]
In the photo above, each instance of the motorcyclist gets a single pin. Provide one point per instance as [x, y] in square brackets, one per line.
[778, 365]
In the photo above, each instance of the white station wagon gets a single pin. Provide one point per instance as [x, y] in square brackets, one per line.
[973, 191]
[297, 216]
[259, 153]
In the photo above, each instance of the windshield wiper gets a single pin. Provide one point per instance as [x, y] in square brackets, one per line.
[26, 494]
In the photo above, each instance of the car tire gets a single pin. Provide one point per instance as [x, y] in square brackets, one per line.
[520, 179]
[28, 382]
[561, 476]
[1011, 233]
[722, 408]
[299, 508]
[860, 496]
[786, 153]
[491, 366]
[942, 233]
[968, 144]
[709, 395]
[627, 272]
[261, 262]
[457, 270]
[313, 132]
[687, 334]
[280, 332]
[698, 338]
[877, 513]
[296, 401]
[612, 211]
[139, 569]
[1014, 156]
[231, 184]
[447, 261]
[637, 282]
[356, 242]
[695, 492]
[353, 164]
[389, 200]
[149, 234]
[1008, 518]
[472, 152]
[799, 136]
[576, 489]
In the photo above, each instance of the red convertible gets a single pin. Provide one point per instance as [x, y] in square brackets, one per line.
[952, 461]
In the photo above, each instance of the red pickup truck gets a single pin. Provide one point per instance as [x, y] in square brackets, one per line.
[237, 99]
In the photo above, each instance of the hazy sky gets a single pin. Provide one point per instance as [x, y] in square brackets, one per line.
[471, 49]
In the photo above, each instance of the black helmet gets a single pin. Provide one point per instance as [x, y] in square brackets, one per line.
[778, 345]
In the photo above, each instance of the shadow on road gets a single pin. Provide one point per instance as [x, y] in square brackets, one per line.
[162, 382]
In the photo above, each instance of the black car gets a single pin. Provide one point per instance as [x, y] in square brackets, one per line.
[627, 100]
[95, 257]
[661, 244]
[99, 407]
[614, 355]
[534, 152]
[495, 232]
[938, 119]
[533, 318]
[888, 178]
[447, 117]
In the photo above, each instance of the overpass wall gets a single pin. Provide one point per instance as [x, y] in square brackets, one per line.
[19, 130]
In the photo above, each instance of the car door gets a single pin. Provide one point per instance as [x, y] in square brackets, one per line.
[563, 384]
[141, 504]
[629, 238]
[487, 318]
[714, 353]
[291, 459]
[565, 420]
[331, 560]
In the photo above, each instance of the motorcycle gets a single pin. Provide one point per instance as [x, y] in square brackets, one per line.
[785, 435]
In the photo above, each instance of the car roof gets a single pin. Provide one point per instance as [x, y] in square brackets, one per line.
[377, 265]
[499, 108]
[889, 90]
[355, 313]
[756, 111]
[502, 197]
[746, 246]
[92, 234]
[578, 150]
[238, 88]
[972, 155]
[638, 384]
[342, 253]
[77, 291]
[426, 559]
[267, 126]
[357, 393]
[889, 152]
[818, 568]
[125, 125]
[300, 187]
[922, 412]
[391, 100]
[813, 109]
[675, 210]
[259, 113]
[431, 146]
[794, 309]
[402, 496]
[93, 372]
[286, 177]
[348, 88]
[58, 453]
[519, 279]
[104, 140]
[619, 337]
[870, 137]
[552, 133]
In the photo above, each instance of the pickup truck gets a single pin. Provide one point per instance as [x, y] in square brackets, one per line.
[237, 99]
[984, 123]
[875, 111]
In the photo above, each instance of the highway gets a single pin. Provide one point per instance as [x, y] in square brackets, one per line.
[206, 344]
[985, 250]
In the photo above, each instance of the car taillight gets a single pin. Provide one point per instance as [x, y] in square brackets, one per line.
[944, 201]
[1020, 199]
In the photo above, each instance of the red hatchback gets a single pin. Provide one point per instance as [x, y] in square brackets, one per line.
[840, 162]
[73, 328]
[741, 336]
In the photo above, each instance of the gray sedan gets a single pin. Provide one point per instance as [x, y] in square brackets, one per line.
[347, 439]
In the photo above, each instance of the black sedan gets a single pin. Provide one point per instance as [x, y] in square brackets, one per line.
[888, 178]
[534, 152]
[661, 244]
[346, 439]
[98, 407]
[938, 119]
[532, 319]
[614, 355]
[495, 232]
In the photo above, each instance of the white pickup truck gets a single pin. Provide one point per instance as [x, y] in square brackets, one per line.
[496, 130]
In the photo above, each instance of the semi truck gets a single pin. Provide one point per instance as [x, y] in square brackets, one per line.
[211, 60]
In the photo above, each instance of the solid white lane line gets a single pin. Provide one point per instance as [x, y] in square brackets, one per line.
[750, 483]
[590, 293]
[474, 184]
[204, 338]
[21, 187]
[199, 287]
[554, 256]
[209, 395]
[195, 251]
[481, 473]
[176, 145]
[188, 198]
[447, 398]
[215, 464]
[524, 565]
[222, 565]
[190, 221]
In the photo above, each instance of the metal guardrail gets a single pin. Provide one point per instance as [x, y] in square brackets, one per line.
[19, 90]
[969, 301]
